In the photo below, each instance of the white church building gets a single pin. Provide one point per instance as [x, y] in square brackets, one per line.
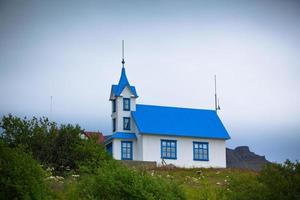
[184, 137]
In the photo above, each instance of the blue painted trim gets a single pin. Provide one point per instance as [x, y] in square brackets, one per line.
[124, 100]
[121, 135]
[129, 121]
[131, 148]
[161, 149]
[175, 135]
[198, 159]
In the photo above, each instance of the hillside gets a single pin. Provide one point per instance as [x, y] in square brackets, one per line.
[241, 157]
[204, 183]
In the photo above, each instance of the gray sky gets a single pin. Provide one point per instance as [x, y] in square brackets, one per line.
[71, 50]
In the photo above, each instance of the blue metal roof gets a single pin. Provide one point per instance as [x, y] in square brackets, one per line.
[121, 135]
[123, 82]
[184, 122]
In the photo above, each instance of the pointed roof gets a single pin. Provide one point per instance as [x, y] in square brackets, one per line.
[123, 82]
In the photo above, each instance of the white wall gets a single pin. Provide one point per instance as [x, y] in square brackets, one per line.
[120, 113]
[140, 146]
[151, 151]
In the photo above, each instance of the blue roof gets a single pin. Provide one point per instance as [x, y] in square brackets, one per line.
[184, 122]
[123, 82]
[121, 135]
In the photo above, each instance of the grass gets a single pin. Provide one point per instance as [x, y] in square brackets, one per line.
[201, 183]
[197, 183]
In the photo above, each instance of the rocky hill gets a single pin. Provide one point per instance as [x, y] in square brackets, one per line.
[241, 157]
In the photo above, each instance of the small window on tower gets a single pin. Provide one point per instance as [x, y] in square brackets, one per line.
[126, 123]
[126, 104]
[114, 125]
[114, 105]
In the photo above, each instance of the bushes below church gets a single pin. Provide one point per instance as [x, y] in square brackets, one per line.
[114, 181]
[73, 168]
[21, 176]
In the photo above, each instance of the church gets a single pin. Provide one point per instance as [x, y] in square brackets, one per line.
[184, 137]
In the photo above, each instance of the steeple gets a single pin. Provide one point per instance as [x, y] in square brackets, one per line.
[123, 81]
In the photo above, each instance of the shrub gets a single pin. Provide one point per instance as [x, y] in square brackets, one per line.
[115, 181]
[245, 187]
[282, 181]
[58, 147]
[275, 181]
[21, 176]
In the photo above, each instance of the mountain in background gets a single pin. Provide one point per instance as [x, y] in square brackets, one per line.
[241, 157]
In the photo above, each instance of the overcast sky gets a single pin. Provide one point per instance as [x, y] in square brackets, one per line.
[72, 51]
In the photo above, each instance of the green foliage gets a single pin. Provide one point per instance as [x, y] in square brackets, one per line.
[61, 148]
[21, 176]
[115, 181]
[281, 181]
[100, 177]
[245, 187]
[275, 181]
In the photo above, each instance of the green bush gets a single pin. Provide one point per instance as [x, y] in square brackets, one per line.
[281, 181]
[21, 177]
[114, 181]
[275, 181]
[245, 187]
[58, 147]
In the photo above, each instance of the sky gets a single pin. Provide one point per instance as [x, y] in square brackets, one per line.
[71, 50]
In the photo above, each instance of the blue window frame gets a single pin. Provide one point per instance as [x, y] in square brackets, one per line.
[114, 124]
[126, 150]
[126, 104]
[168, 149]
[109, 148]
[200, 150]
[114, 105]
[126, 123]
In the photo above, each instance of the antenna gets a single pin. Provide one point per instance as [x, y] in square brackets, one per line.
[217, 105]
[123, 61]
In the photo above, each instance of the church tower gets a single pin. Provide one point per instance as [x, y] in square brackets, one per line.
[123, 99]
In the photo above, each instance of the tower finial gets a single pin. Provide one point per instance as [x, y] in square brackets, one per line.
[123, 61]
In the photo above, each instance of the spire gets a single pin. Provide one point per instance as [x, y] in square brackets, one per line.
[123, 61]
[123, 79]
[123, 82]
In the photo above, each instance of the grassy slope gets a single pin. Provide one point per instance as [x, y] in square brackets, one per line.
[203, 183]
[197, 183]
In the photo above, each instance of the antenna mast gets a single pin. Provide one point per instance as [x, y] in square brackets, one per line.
[123, 61]
[217, 105]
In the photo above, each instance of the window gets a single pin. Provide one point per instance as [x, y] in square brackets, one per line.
[109, 148]
[200, 151]
[114, 125]
[126, 123]
[126, 150]
[169, 149]
[126, 104]
[114, 105]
